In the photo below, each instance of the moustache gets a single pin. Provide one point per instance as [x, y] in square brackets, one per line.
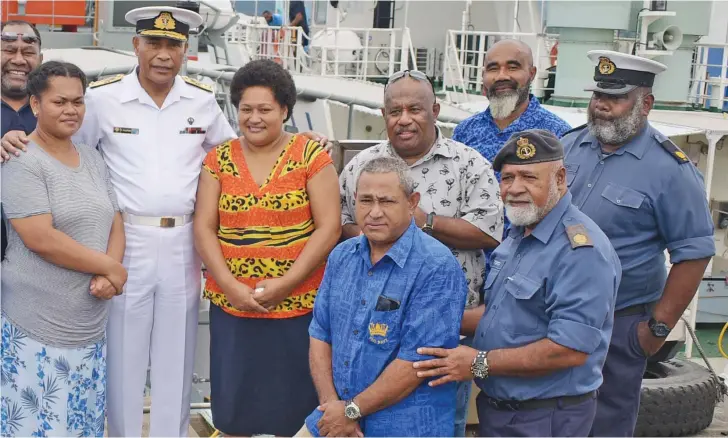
[511, 84]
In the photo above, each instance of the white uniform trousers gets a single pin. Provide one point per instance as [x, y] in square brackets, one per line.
[155, 316]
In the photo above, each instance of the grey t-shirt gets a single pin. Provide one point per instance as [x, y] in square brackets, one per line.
[53, 304]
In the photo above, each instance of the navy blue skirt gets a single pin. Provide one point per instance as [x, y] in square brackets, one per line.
[260, 381]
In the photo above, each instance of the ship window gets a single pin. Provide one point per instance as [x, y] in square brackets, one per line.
[384, 14]
[320, 11]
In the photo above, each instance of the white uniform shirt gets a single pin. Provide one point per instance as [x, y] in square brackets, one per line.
[453, 180]
[154, 154]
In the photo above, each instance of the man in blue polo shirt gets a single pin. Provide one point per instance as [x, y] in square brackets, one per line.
[20, 55]
[507, 78]
[384, 294]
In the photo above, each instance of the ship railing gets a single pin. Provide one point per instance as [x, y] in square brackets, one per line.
[709, 82]
[465, 51]
[345, 52]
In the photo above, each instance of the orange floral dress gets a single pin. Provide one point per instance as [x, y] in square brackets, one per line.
[263, 229]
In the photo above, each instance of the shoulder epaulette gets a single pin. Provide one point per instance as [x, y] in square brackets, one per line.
[578, 128]
[674, 151]
[578, 236]
[198, 84]
[106, 81]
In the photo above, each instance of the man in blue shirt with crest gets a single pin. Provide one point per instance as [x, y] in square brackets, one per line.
[549, 308]
[647, 196]
[384, 294]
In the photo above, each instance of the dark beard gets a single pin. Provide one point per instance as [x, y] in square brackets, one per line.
[13, 93]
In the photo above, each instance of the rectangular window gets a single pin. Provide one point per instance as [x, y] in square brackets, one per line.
[384, 14]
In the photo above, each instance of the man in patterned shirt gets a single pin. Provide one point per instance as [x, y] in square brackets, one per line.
[460, 204]
[460, 201]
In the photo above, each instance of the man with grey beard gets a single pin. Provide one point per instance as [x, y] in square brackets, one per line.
[507, 78]
[646, 196]
[540, 346]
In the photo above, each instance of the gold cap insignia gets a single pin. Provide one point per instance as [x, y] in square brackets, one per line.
[606, 66]
[525, 149]
[165, 22]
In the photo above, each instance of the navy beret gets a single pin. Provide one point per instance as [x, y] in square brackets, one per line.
[528, 147]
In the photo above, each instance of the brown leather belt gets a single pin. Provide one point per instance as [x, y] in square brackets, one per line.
[545, 403]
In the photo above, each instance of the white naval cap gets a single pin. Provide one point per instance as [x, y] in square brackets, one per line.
[619, 73]
[164, 21]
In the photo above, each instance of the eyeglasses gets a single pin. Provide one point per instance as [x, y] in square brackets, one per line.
[14, 36]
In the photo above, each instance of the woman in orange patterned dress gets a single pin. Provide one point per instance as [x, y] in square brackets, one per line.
[266, 218]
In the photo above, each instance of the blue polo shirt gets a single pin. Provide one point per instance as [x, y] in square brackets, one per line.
[546, 285]
[423, 276]
[646, 199]
[481, 133]
[12, 120]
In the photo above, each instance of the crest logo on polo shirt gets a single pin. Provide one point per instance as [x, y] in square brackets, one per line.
[378, 332]
[606, 66]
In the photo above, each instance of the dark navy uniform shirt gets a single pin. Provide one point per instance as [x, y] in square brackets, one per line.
[373, 314]
[646, 199]
[551, 285]
[12, 120]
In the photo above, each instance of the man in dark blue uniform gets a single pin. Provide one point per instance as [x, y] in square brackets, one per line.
[550, 295]
[20, 55]
[646, 196]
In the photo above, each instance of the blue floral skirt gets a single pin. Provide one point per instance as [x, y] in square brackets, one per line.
[51, 391]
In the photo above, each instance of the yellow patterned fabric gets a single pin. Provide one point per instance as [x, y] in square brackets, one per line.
[263, 229]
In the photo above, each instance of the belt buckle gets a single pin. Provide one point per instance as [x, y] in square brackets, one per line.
[167, 222]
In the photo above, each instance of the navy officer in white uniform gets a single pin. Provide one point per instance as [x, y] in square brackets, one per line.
[550, 294]
[153, 128]
[647, 196]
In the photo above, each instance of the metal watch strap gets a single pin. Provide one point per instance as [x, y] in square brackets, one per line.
[480, 367]
[429, 221]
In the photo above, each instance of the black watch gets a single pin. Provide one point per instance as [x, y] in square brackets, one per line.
[427, 228]
[658, 329]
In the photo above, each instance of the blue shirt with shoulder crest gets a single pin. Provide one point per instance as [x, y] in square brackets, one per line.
[372, 315]
[559, 283]
[647, 196]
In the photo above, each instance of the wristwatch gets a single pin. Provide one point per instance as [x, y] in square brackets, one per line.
[659, 329]
[427, 228]
[480, 367]
[351, 410]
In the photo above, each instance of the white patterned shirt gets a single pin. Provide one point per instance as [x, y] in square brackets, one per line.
[453, 180]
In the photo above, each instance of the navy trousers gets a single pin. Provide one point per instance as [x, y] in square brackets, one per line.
[560, 421]
[618, 399]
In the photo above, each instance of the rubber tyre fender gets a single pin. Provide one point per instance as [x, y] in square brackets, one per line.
[678, 398]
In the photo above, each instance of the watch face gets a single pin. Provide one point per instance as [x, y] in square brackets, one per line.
[351, 412]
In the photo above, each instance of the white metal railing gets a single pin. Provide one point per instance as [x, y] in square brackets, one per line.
[359, 53]
[465, 56]
[709, 90]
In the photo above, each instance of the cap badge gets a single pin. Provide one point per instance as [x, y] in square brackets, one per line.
[164, 22]
[606, 66]
[525, 150]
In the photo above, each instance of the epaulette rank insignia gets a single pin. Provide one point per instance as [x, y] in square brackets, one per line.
[578, 236]
[675, 151]
[198, 84]
[106, 81]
